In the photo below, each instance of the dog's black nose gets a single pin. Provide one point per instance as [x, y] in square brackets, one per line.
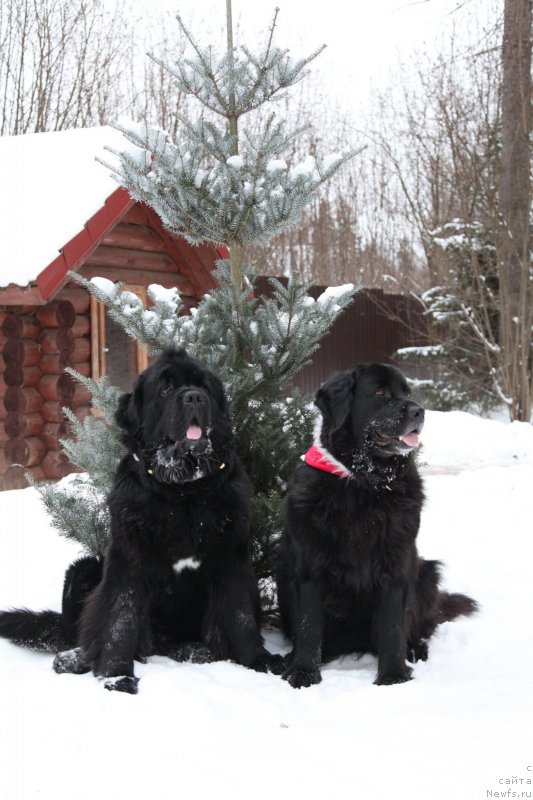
[414, 412]
[194, 397]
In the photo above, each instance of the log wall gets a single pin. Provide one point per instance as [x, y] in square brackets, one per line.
[36, 346]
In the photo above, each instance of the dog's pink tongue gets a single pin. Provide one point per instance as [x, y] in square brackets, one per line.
[194, 432]
[411, 439]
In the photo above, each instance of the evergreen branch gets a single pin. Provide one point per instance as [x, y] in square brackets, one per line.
[271, 32]
[207, 67]
[190, 88]
[262, 70]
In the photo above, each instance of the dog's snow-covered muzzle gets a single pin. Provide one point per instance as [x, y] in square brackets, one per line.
[399, 434]
[185, 460]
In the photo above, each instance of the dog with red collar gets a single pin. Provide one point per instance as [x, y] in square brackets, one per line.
[349, 575]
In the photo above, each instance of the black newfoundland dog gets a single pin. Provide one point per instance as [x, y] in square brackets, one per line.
[177, 578]
[350, 578]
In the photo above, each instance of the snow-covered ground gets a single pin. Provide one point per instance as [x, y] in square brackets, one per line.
[461, 730]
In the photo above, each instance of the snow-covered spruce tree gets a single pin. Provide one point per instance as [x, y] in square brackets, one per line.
[77, 505]
[220, 184]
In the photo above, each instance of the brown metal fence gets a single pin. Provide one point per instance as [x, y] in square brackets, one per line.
[371, 329]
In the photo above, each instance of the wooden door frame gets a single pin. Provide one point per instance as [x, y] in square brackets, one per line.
[98, 335]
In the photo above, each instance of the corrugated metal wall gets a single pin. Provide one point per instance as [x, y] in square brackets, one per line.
[371, 329]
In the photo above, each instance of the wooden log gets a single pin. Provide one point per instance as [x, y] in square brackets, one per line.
[52, 432]
[15, 295]
[17, 424]
[79, 298]
[15, 375]
[25, 311]
[37, 473]
[136, 215]
[3, 465]
[48, 387]
[123, 258]
[14, 477]
[25, 352]
[25, 400]
[81, 351]
[3, 387]
[55, 465]
[59, 314]
[56, 340]
[134, 237]
[3, 410]
[27, 452]
[54, 363]
[84, 368]
[56, 387]
[66, 385]
[4, 435]
[81, 396]
[82, 326]
[20, 327]
[52, 411]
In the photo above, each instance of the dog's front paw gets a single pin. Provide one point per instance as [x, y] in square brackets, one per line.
[418, 651]
[192, 652]
[70, 661]
[275, 663]
[301, 677]
[268, 662]
[388, 678]
[122, 683]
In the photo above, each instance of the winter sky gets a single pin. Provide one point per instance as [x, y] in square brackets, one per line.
[365, 40]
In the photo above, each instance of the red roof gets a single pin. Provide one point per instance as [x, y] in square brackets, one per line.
[75, 252]
[78, 249]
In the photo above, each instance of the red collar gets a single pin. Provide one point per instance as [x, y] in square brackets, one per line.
[319, 458]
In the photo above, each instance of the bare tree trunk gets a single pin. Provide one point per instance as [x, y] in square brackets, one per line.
[235, 247]
[515, 202]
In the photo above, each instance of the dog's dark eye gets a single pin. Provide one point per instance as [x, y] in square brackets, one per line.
[166, 390]
[380, 392]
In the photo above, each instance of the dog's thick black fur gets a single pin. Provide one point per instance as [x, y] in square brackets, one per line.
[350, 578]
[178, 567]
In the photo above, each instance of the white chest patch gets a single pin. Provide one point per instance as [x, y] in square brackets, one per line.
[186, 563]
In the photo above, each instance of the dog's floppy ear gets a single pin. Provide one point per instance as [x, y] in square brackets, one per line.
[334, 398]
[124, 412]
[128, 413]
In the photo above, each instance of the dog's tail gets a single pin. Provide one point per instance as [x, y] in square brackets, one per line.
[49, 631]
[38, 630]
[455, 605]
[435, 605]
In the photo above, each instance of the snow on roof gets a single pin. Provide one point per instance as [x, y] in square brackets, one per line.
[51, 185]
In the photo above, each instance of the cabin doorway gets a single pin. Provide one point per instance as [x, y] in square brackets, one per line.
[114, 353]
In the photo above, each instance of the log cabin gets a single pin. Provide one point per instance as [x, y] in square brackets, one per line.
[61, 211]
